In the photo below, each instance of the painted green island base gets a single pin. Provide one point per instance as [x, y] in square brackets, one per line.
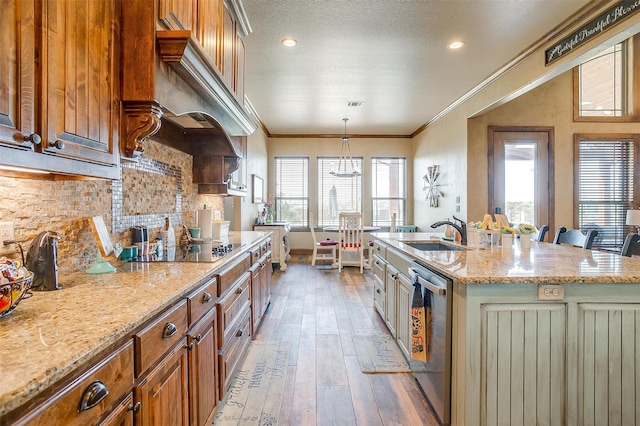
[545, 336]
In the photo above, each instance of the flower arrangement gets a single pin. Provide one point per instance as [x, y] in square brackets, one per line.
[525, 228]
[508, 230]
[270, 205]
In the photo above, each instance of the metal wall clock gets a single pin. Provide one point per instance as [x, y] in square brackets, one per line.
[431, 185]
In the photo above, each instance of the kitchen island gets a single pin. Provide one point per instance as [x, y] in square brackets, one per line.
[548, 335]
[51, 337]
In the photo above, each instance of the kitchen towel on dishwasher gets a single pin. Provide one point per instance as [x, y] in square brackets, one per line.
[420, 323]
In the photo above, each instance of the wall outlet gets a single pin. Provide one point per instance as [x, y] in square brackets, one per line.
[6, 233]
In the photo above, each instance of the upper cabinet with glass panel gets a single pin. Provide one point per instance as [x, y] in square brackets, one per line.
[604, 84]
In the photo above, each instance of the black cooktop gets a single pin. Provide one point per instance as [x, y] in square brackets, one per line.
[193, 252]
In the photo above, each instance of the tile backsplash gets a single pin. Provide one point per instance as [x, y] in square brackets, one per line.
[157, 186]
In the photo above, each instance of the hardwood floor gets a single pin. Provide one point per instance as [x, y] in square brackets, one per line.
[318, 310]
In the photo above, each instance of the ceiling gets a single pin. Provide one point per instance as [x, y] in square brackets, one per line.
[391, 55]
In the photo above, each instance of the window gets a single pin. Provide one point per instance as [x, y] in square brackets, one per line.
[602, 84]
[292, 190]
[337, 194]
[605, 175]
[388, 194]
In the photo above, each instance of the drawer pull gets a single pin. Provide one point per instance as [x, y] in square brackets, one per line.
[198, 338]
[378, 290]
[189, 346]
[239, 290]
[34, 138]
[238, 333]
[92, 395]
[135, 407]
[206, 298]
[169, 330]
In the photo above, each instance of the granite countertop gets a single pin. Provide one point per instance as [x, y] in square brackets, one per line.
[543, 263]
[51, 334]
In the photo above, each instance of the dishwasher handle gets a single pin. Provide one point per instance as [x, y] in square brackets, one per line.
[435, 289]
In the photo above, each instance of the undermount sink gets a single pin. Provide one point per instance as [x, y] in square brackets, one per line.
[432, 246]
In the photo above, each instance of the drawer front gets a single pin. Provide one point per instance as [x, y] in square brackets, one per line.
[379, 299]
[232, 354]
[229, 275]
[114, 374]
[158, 337]
[379, 269]
[202, 300]
[399, 261]
[232, 308]
[380, 249]
[255, 255]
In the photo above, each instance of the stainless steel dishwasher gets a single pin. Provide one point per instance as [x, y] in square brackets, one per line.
[431, 337]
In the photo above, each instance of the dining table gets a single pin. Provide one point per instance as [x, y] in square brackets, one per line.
[366, 228]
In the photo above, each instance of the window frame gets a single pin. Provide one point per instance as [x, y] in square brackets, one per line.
[631, 81]
[306, 200]
[321, 178]
[403, 200]
[635, 178]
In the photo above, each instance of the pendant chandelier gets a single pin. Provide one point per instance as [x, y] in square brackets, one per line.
[345, 168]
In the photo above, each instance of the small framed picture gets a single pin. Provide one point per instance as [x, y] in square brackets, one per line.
[258, 189]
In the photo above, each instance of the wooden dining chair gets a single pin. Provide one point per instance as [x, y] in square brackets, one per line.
[575, 237]
[322, 250]
[631, 246]
[351, 240]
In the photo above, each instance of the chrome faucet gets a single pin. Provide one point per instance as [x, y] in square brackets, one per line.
[461, 228]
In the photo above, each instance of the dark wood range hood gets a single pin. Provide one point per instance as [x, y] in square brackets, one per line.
[175, 94]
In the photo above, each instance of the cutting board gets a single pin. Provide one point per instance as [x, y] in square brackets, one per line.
[101, 234]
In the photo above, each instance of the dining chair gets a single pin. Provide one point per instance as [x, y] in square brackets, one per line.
[631, 246]
[322, 250]
[542, 233]
[575, 237]
[351, 240]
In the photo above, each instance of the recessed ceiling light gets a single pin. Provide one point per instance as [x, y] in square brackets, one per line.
[456, 45]
[289, 42]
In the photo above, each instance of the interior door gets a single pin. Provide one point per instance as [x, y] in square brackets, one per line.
[521, 175]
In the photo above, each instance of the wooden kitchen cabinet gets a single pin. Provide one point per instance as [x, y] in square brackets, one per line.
[90, 397]
[202, 346]
[62, 86]
[203, 369]
[164, 392]
[260, 284]
[17, 73]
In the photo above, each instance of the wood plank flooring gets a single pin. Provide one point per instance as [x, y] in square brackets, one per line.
[318, 310]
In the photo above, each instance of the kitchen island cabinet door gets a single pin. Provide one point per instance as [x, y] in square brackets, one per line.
[80, 80]
[17, 72]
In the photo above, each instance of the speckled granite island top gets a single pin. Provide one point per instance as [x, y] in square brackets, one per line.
[51, 334]
[543, 263]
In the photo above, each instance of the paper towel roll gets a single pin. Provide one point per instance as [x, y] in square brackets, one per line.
[204, 219]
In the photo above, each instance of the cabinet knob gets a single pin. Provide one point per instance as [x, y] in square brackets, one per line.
[238, 333]
[198, 338]
[58, 144]
[189, 346]
[239, 290]
[206, 297]
[92, 395]
[135, 407]
[34, 138]
[169, 330]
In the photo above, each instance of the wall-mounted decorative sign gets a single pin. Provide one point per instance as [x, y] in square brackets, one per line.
[431, 185]
[612, 16]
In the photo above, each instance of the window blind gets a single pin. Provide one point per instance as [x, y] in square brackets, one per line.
[605, 188]
[292, 190]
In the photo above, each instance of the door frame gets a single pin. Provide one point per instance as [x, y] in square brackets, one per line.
[491, 131]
